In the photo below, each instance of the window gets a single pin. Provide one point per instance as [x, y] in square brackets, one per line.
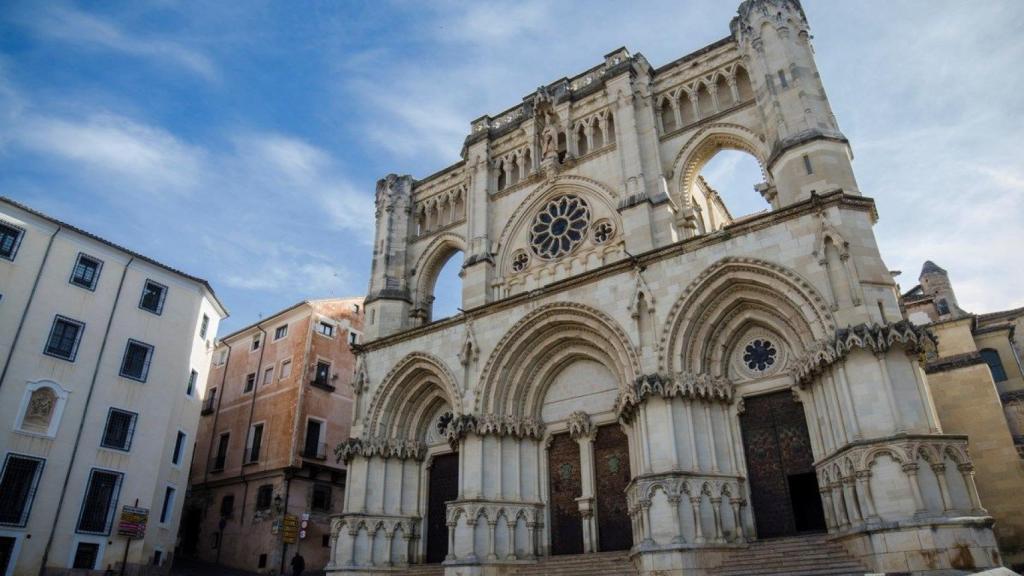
[782, 79]
[86, 272]
[222, 451]
[221, 358]
[167, 511]
[101, 494]
[807, 165]
[255, 343]
[995, 364]
[204, 326]
[86, 555]
[250, 382]
[321, 498]
[262, 562]
[281, 332]
[179, 448]
[325, 328]
[10, 239]
[158, 557]
[264, 497]
[153, 296]
[313, 447]
[325, 540]
[353, 338]
[119, 430]
[137, 356]
[286, 369]
[252, 450]
[18, 488]
[268, 376]
[559, 227]
[323, 373]
[227, 505]
[190, 389]
[942, 306]
[210, 402]
[64, 338]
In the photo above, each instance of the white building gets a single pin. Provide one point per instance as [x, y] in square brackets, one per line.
[103, 361]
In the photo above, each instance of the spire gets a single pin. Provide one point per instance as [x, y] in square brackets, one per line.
[931, 268]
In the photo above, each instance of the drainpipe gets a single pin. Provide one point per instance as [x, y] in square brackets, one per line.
[248, 427]
[81, 423]
[31, 297]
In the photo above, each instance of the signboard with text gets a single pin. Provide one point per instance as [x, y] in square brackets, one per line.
[133, 521]
[290, 529]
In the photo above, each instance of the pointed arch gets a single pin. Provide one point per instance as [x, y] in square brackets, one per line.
[730, 297]
[409, 394]
[429, 265]
[536, 348]
[703, 145]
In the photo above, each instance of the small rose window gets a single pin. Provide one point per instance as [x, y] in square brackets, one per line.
[519, 261]
[559, 227]
[760, 355]
[603, 231]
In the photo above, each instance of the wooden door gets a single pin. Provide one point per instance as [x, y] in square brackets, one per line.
[612, 474]
[444, 487]
[565, 486]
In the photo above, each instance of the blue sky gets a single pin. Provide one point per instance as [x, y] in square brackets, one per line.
[240, 141]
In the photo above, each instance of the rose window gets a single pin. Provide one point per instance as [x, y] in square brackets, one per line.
[559, 227]
[759, 355]
[519, 261]
[603, 231]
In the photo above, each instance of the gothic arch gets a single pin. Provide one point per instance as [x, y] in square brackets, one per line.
[591, 190]
[703, 145]
[726, 300]
[407, 395]
[543, 342]
[430, 263]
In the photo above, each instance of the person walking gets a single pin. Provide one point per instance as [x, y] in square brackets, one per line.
[298, 564]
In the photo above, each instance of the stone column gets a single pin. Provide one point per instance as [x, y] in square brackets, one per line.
[451, 541]
[910, 469]
[829, 507]
[492, 526]
[695, 506]
[353, 533]
[737, 518]
[716, 509]
[852, 505]
[645, 515]
[839, 505]
[511, 542]
[390, 537]
[677, 522]
[410, 547]
[864, 493]
[531, 531]
[711, 436]
[584, 433]
[967, 472]
[940, 475]
[890, 398]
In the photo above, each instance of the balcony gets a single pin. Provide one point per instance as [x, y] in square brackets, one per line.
[209, 404]
[324, 383]
[315, 450]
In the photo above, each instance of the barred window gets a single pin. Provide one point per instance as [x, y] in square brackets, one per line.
[323, 372]
[264, 497]
[137, 356]
[119, 430]
[321, 498]
[65, 334]
[281, 332]
[101, 495]
[190, 389]
[179, 448]
[86, 555]
[204, 326]
[18, 488]
[153, 296]
[10, 239]
[86, 272]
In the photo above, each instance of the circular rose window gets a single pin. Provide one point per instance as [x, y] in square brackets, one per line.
[760, 355]
[559, 227]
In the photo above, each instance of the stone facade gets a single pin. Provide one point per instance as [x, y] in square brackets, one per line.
[617, 320]
[271, 376]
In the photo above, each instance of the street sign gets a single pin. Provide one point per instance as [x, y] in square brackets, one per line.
[290, 529]
[133, 521]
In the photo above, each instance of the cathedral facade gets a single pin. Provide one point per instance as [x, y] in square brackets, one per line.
[634, 369]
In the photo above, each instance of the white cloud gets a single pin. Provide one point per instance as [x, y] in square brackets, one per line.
[76, 27]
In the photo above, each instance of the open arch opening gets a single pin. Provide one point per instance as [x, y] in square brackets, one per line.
[447, 291]
[439, 279]
[726, 189]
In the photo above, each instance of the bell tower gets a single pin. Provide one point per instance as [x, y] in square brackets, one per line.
[808, 151]
[388, 301]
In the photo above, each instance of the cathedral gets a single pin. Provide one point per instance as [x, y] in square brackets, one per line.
[633, 368]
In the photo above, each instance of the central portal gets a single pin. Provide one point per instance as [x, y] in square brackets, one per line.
[780, 464]
[611, 474]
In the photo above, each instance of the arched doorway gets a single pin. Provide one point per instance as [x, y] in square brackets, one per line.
[443, 487]
[780, 466]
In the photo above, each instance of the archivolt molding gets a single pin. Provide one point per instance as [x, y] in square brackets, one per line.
[725, 298]
[684, 385]
[704, 144]
[412, 375]
[874, 338]
[542, 342]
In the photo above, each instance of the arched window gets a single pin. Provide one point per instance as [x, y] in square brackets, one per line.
[995, 364]
[668, 116]
[581, 141]
[41, 408]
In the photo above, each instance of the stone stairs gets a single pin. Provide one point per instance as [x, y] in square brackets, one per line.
[424, 570]
[811, 555]
[598, 563]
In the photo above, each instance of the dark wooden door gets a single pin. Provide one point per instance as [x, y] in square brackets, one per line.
[780, 466]
[444, 487]
[612, 474]
[565, 486]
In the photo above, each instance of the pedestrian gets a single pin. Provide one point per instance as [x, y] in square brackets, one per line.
[298, 564]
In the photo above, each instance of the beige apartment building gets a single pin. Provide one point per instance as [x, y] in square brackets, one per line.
[278, 403]
[103, 361]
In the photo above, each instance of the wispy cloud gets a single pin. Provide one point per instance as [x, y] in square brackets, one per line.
[73, 26]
